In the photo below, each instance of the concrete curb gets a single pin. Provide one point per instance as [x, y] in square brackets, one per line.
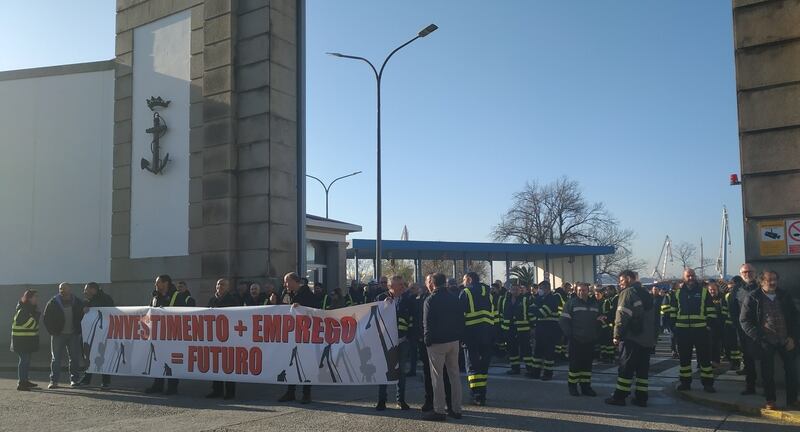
[790, 417]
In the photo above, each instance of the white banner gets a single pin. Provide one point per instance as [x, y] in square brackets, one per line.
[265, 344]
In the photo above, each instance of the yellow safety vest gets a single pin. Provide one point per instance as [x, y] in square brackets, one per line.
[28, 328]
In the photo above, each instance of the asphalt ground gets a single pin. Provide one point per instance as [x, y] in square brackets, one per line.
[515, 403]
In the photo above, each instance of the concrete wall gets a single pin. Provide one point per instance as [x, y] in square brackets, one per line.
[160, 203]
[56, 175]
[767, 51]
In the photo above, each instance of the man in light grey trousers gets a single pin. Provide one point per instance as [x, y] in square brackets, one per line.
[443, 326]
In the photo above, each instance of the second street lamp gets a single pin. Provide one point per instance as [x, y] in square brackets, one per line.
[378, 75]
[328, 187]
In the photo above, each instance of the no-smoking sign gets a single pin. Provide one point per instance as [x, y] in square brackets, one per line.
[793, 236]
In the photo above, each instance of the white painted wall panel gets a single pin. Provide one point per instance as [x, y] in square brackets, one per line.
[55, 178]
[160, 203]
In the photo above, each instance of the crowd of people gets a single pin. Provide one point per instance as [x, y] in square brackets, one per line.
[449, 327]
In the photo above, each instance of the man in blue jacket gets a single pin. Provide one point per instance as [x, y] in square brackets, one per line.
[62, 319]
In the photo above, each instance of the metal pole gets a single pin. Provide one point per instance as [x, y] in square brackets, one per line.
[378, 234]
[301, 137]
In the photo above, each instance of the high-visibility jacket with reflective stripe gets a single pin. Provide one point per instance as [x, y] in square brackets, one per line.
[29, 327]
[515, 314]
[693, 308]
[479, 311]
[545, 309]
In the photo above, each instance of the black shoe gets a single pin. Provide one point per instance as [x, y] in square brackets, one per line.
[402, 406]
[639, 402]
[31, 385]
[214, 395]
[306, 399]
[709, 389]
[153, 389]
[23, 387]
[454, 414]
[287, 397]
[614, 401]
[588, 391]
[512, 372]
[684, 387]
[105, 386]
[529, 375]
[434, 416]
[573, 391]
[748, 392]
[381, 406]
[427, 406]
[171, 391]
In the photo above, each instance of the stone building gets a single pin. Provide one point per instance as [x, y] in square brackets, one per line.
[91, 201]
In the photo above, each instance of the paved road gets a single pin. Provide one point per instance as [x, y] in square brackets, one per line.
[516, 403]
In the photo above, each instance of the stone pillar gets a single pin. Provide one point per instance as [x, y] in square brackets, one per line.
[242, 144]
[767, 51]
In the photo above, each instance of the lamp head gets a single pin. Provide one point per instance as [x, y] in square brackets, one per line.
[428, 30]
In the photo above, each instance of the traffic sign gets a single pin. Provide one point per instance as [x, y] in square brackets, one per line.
[793, 236]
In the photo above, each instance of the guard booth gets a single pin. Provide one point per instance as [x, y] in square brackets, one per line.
[556, 263]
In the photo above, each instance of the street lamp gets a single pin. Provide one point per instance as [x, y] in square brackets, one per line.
[328, 187]
[378, 75]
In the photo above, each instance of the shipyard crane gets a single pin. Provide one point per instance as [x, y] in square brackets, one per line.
[663, 257]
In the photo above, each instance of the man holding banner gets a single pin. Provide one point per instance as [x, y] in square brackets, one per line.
[403, 307]
[297, 295]
[222, 298]
[165, 295]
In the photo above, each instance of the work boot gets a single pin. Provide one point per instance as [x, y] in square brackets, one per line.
[287, 397]
[614, 401]
[573, 390]
[23, 387]
[684, 387]
[427, 406]
[403, 406]
[453, 414]
[535, 373]
[513, 371]
[434, 416]
[639, 402]
[30, 384]
[380, 406]
[547, 375]
[587, 390]
[709, 388]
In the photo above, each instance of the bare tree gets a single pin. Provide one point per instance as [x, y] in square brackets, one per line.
[685, 253]
[557, 213]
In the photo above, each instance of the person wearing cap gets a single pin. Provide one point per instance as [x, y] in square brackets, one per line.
[25, 336]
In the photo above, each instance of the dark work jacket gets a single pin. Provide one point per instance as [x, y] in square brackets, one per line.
[740, 292]
[227, 300]
[403, 306]
[54, 315]
[417, 306]
[442, 318]
[303, 296]
[166, 300]
[101, 299]
[261, 299]
[185, 299]
[579, 320]
[481, 332]
[25, 344]
[752, 316]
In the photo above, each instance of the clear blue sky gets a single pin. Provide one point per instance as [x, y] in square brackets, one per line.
[634, 99]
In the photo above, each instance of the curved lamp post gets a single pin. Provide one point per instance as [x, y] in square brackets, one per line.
[378, 75]
[328, 187]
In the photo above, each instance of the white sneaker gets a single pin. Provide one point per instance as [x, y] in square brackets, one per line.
[74, 384]
[52, 386]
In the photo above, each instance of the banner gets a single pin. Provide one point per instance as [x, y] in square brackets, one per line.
[264, 344]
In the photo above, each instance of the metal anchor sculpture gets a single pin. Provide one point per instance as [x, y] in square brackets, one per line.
[158, 130]
[389, 352]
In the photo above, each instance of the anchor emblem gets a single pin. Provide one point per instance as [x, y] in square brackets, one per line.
[158, 130]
